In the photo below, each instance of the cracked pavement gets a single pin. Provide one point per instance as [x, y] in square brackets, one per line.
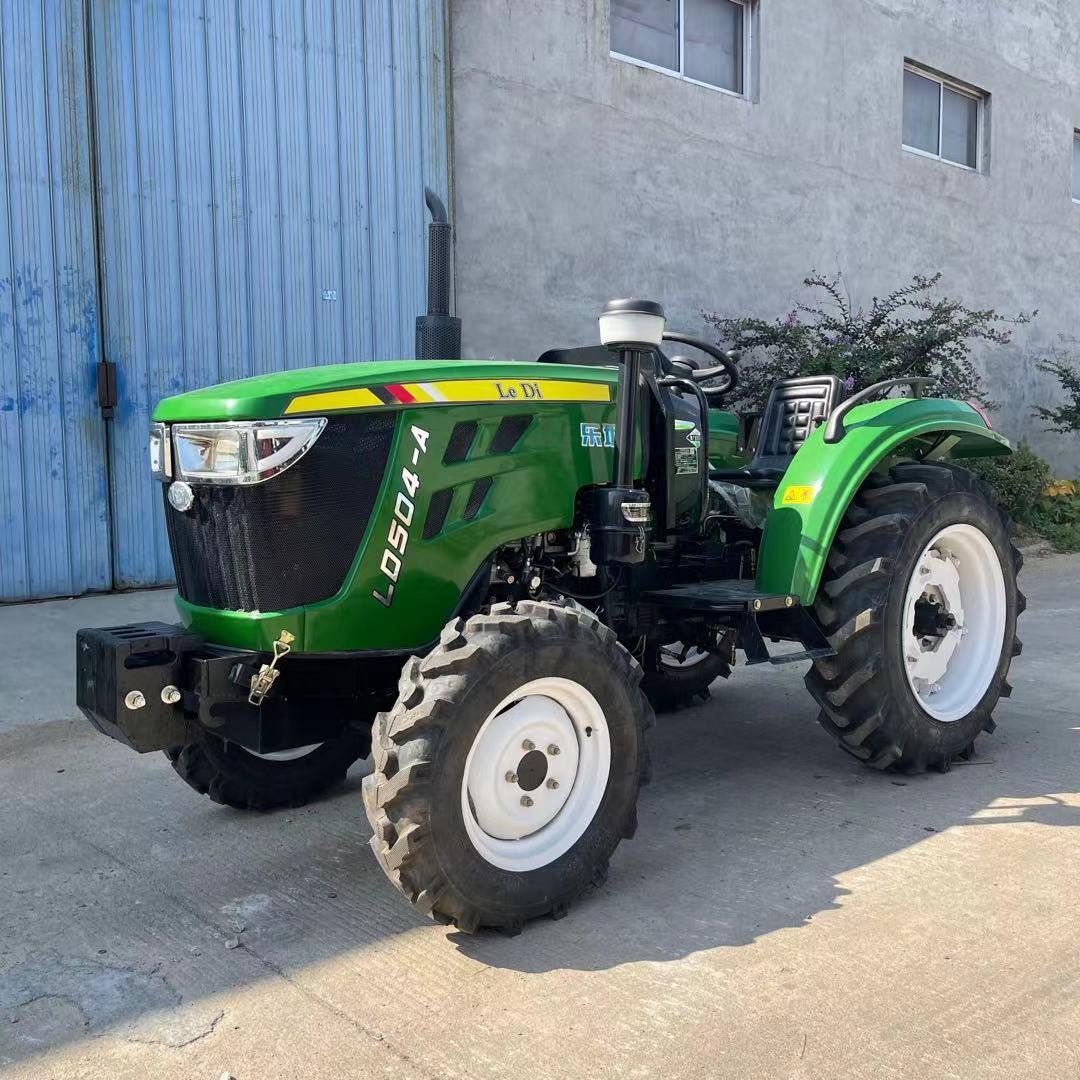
[781, 912]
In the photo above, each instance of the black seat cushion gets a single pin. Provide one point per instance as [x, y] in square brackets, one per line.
[794, 409]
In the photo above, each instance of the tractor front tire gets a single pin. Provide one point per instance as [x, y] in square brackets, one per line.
[920, 601]
[508, 770]
[233, 776]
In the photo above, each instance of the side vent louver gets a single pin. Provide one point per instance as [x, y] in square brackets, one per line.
[476, 498]
[509, 431]
[460, 442]
[458, 447]
[437, 511]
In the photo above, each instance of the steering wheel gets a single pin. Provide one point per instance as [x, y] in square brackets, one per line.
[726, 367]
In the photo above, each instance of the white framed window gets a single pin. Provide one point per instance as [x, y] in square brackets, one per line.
[1076, 167]
[942, 119]
[703, 41]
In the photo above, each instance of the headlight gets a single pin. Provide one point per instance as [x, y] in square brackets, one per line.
[239, 453]
[160, 452]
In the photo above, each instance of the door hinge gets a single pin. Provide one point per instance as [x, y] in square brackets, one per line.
[106, 388]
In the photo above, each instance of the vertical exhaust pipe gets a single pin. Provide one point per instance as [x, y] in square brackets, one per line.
[438, 333]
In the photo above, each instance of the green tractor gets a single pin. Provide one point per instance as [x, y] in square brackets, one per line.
[483, 572]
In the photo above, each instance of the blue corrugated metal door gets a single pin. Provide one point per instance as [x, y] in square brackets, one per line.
[260, 172]
[194, 190]
[54, 528]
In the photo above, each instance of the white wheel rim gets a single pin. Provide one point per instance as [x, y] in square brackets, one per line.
[515, 820]
[678, 655]
[957, 584]
[286, 755]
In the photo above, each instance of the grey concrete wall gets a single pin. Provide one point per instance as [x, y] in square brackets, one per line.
[579, 177]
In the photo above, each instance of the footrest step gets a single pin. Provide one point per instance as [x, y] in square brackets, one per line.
[730, 596]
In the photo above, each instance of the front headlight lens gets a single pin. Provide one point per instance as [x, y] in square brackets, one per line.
[243, 452]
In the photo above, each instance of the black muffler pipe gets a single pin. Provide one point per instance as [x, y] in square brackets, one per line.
[438, 333]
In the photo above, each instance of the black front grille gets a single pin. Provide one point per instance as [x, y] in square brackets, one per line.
[288, 541]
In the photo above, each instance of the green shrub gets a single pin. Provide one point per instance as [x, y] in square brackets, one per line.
[1064, 418]
[1016, 479]
[909, 332]
[1058, 519]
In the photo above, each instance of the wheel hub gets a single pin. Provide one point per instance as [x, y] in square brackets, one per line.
[679, 655]
[957, 586]
[507, 764]
[532, 770]
[536, 774]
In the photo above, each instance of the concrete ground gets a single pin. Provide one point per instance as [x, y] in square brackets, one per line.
[781, 912]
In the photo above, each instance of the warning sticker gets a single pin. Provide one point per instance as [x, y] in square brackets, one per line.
[686, 460]
[798, 495]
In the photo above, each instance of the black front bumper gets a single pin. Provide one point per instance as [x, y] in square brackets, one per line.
[311, 701]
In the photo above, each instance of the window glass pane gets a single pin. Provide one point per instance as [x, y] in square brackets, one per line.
[713, 43]
[959, 128]
[922, 98]
[646, 30]
[1076, 167]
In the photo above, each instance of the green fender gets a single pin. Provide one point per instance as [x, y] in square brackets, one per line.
[823, 478]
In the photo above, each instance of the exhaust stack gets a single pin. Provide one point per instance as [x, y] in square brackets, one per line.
[438, 333]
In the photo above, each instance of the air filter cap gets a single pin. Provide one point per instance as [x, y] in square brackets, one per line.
[631, 323]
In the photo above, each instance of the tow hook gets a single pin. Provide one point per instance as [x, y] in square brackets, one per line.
[263, 681]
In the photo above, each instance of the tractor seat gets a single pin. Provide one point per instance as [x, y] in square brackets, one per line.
[794, 409]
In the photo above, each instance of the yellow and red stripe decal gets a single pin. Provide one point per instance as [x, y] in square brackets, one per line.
[453, 391]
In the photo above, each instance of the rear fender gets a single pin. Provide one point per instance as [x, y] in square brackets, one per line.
[823, 478]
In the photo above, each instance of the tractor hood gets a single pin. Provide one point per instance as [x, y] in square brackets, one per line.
[348, 387]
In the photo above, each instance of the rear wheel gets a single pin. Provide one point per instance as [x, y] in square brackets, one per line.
[508, 771]
[920, 602]
[240, 778]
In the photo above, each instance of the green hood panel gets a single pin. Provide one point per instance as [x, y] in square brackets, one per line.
[455, 511]
[265, 397]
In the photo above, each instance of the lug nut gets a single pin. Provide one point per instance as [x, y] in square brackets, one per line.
[526, 801]
[134, 699]
[535, 582]
[528, 744]
[553, 750]
[511, 777]
[935, 688]
[170, 695]
[553, 784]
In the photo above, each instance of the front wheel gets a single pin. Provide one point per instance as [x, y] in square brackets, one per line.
[233, 776]
[920, 602]
[677, 673]
[508, 770]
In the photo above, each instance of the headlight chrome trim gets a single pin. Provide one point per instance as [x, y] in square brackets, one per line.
[160, 452]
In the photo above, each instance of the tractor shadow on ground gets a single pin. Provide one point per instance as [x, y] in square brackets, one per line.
[753, 821]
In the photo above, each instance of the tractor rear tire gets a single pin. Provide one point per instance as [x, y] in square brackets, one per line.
[670, 686]
[230, 775]
[508, 770]
[920, 523]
